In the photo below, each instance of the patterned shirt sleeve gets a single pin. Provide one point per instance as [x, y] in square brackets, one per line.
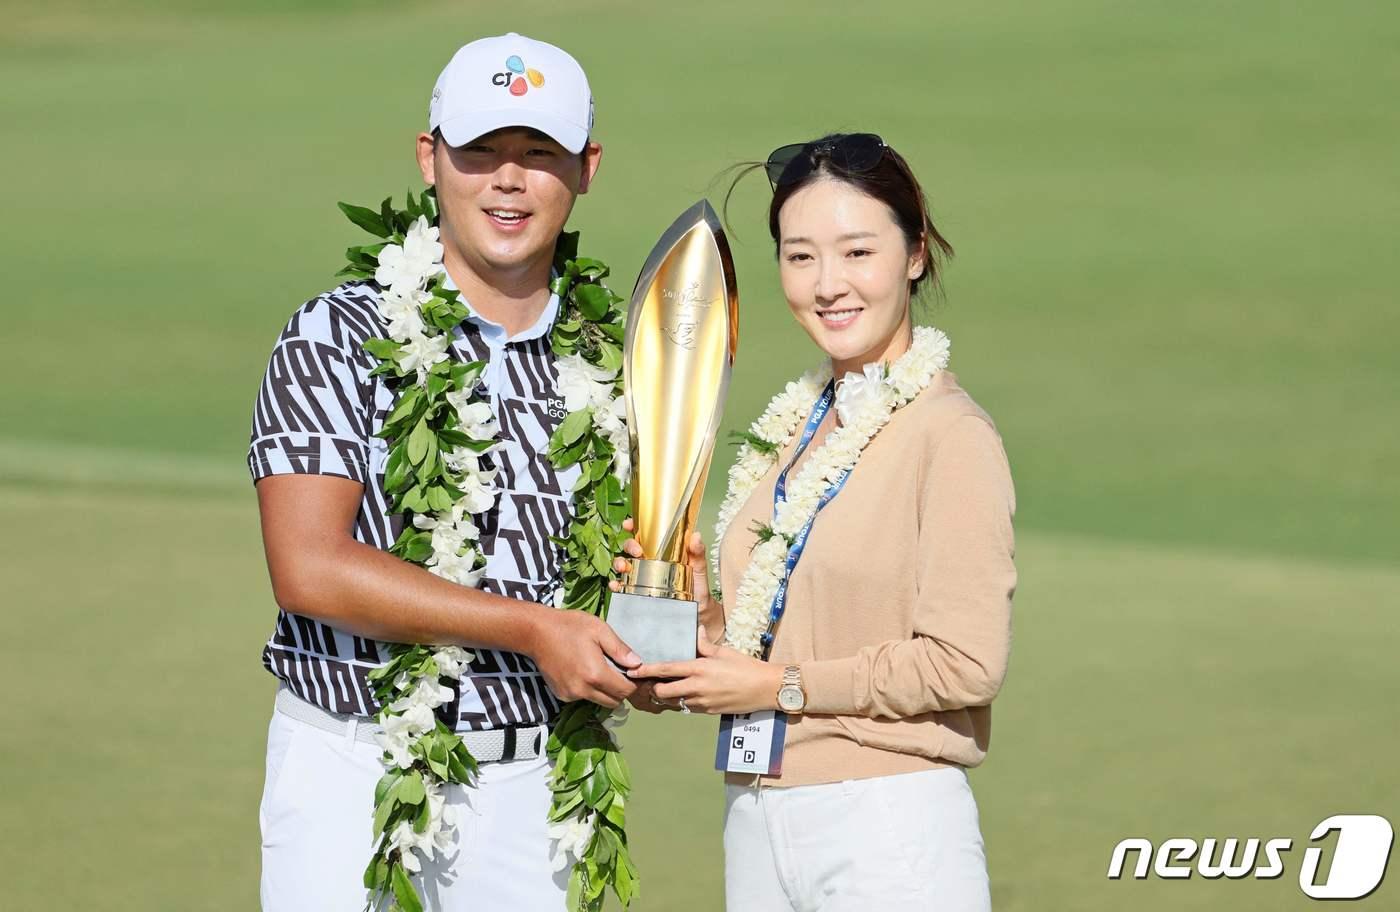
[312, 414]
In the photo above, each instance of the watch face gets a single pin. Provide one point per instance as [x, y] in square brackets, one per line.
[790, 698]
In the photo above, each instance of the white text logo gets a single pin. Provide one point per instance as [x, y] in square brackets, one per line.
[1358, 861]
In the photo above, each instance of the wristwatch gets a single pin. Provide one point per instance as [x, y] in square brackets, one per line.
[791, 696]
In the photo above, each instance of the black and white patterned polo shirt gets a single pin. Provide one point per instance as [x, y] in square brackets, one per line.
[317, 413]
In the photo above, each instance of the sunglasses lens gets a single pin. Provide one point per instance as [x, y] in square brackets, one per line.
[853, 152]
[858, 152]
[780, 159]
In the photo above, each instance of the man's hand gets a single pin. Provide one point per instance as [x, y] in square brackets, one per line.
[644, 699]
[572, 650]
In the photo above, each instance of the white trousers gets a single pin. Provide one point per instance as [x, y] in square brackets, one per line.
[317, 808]
[892, 843]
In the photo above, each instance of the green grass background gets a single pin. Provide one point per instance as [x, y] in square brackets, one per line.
[1176, 229]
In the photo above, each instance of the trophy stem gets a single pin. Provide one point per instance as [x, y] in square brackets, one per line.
[658, 578]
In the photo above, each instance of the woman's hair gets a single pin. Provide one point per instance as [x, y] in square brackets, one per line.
[890, 180]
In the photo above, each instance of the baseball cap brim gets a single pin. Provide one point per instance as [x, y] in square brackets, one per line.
[460, 130]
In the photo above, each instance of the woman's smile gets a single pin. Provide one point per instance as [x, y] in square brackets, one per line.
[839, 318]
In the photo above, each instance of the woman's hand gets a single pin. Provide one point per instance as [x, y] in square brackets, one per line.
[711, 611]
[722, 680]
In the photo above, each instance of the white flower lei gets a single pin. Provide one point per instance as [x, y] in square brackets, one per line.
[865, 407]
[440, 427]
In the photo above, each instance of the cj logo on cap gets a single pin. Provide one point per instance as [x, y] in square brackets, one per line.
[517, 78]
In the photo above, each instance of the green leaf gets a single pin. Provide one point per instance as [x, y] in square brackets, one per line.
[383, 810]
[569, 455]
[593, 301]
[418, 441]
[597, 876]
[458, 439]
[562, 810]
[580, 766]
[610, 356]
[617, 771]
[601, 559]
[574, 897]
[377, 874]
[396, 469]
[383, 349]
[573, 427]
[465, 375]
[438, 498]
[419, 548]
[458, 768]
[411, 788]
[404, 892]
[408, 403]
[611, 504]
[617, 810]
[412, 499]
[354, 271]
[438, 752]
[597, 469]
[604, 846]
[367, 219]
[385, 784]
[625, 878]
[386, 368]
[590, 268]
[596, 787]
[391, 218]
[573, 718]
[566, 248]
[430, 465]
[583, 594]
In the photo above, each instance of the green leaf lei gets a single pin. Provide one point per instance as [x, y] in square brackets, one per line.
[590, 781]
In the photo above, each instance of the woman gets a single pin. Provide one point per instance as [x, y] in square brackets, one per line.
[866, 568]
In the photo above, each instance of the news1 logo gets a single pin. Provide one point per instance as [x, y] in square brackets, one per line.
[1358, 866]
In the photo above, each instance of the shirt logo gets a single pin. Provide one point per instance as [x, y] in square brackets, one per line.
[517, 77]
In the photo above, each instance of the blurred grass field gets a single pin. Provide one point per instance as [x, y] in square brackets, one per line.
[1174, 291]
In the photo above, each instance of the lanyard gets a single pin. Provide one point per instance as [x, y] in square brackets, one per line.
[799, 544]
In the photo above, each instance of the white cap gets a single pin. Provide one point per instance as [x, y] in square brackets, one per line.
[512, 81]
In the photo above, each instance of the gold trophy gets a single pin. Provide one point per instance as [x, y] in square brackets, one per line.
[682, 332]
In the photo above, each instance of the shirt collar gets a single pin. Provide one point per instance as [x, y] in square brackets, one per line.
[495, 332]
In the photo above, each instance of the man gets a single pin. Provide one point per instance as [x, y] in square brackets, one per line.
[508, 159]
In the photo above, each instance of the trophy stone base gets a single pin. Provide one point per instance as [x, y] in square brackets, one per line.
[657, 629]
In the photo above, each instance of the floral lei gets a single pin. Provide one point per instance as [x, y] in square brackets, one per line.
[865, 403]
[438, 430]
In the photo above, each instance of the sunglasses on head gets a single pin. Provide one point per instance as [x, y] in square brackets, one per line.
[849, 152]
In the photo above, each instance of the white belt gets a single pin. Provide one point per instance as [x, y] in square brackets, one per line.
[491, 746]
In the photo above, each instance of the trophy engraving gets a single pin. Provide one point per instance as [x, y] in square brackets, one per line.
[683, 319]
[682, 333]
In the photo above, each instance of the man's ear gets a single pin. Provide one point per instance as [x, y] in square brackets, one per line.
[424, 148]
[592, 156]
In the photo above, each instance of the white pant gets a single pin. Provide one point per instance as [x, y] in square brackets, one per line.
[892, 843]
[316, 816]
